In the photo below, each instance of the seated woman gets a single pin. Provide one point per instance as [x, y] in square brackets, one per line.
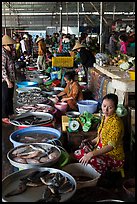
[72, 93]
[106, 150]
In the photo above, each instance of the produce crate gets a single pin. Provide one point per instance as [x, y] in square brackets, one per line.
[62, 62]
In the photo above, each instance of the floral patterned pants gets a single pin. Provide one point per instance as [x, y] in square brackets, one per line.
[100, 163]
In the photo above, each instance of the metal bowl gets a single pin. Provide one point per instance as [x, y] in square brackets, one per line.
[111, 200]
[73, 114]
[26, 89]
[45, 146]
[45, 118]
[32, 194]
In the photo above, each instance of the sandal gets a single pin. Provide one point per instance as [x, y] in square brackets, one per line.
[6, 120]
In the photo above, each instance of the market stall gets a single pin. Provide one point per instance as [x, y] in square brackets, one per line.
[121, 84]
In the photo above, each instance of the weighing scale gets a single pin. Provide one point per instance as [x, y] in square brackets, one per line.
[73, 124]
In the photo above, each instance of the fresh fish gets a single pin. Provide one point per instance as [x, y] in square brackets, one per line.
[48, 179]
[30, 138]
[51, 196]
[30, 175]
[30, 155]
[53, 155]
[66, 187]
[44, 159]
[38, 148]
[19, 150]
[53, 189]
[20, 189]
[20, 160]
[32, 161]
[33, 179]
[34, 184]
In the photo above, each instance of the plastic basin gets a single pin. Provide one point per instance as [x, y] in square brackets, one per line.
[62, 106]
[87, 105]
[40, 130]
[23, 84]
[77, 169]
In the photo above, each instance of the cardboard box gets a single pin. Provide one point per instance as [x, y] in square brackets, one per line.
[65, 122]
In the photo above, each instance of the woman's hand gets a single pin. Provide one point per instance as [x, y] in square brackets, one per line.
[86, 158]
[64, 99]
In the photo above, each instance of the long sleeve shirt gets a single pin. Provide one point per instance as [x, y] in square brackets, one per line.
[8, 66]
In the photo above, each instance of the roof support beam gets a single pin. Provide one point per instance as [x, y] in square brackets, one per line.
[98, 11]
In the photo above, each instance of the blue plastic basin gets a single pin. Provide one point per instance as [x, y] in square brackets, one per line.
[87, 105]
[23, 84]
[39, 130]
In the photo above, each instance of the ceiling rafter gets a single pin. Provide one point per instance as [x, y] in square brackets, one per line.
[48, 13]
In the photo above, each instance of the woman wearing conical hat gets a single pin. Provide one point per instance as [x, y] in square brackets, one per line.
[86, 57]
[8, 78]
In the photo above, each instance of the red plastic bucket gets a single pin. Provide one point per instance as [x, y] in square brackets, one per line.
[43, 125]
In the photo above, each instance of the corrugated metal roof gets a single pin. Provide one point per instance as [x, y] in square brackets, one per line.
[43, 14]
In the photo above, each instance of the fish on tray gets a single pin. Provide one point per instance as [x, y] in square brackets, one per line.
[30, 120]
[34, 154]
[55, 184]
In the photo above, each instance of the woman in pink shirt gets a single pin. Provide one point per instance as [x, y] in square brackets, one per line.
[123, 44]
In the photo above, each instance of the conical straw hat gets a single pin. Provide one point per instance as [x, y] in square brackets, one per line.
[38, 39]
[77, 46]
[6, 40]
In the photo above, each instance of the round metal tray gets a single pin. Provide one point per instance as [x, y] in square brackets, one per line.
[45, 118]
[73, 114]
[32, 194]
[35, 108]
[45, 146]
[26, 89]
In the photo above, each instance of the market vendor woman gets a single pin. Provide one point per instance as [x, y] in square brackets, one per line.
[8, 78]
[108, 152]
[72, 93]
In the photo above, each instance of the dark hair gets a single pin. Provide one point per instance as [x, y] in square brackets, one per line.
[112, 97]
[123, 38]
[70, 75]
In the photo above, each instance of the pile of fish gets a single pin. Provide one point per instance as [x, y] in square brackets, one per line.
[34, 137]
[32, 118]
[35, 154]
[31, 97]
[55, 185]
[35, 108]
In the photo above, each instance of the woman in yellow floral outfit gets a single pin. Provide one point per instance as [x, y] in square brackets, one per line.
[72, 93]
[108, 149]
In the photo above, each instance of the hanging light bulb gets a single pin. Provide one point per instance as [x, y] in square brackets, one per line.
[60, 8]
[82, 5]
